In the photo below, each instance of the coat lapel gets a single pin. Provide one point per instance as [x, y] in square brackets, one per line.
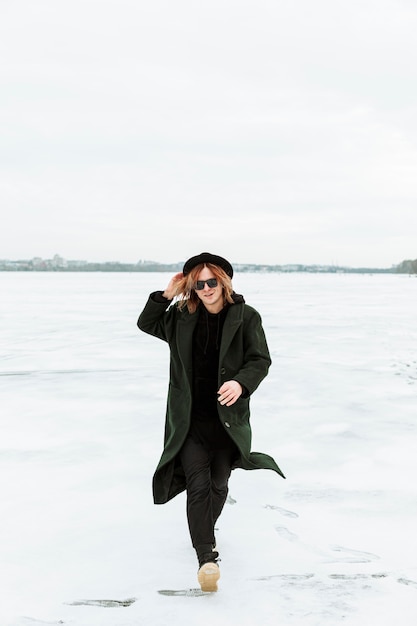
[186, 326]
[231, 324]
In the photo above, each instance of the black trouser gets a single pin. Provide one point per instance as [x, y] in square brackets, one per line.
[207, 472]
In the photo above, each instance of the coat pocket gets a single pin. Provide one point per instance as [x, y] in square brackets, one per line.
[238, 414]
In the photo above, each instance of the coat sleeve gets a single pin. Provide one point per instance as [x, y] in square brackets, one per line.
[155, 319]
[256, 359]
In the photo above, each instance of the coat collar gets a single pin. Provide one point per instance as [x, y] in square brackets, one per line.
[187, 324]
[231, 324]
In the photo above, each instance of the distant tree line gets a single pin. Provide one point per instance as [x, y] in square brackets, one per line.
[58, 264]
[123, 267]
[407, 267]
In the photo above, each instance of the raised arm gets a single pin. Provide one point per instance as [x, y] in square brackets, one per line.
[171, 288]
[155, 319]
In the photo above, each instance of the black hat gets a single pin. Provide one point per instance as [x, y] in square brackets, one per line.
[206, 257]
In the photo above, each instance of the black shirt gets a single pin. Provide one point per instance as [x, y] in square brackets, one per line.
[206, 348]
[206, 427]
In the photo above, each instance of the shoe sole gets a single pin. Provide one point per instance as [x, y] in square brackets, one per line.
[208, 575]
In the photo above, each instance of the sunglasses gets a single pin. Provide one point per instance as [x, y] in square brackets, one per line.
[211, 282]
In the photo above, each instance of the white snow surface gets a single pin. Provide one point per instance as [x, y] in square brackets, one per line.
[82, 397]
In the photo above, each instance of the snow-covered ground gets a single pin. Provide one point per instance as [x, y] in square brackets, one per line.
[82, 397]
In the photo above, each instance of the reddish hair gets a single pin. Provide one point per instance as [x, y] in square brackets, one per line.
[186, 287]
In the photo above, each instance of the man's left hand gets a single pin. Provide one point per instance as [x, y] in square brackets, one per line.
[229, 392]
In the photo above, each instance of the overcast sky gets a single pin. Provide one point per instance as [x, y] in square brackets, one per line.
[268, 131]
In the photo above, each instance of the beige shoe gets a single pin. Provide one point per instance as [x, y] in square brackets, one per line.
[208, 575]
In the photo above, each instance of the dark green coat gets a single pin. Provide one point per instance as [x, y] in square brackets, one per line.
[244, 357]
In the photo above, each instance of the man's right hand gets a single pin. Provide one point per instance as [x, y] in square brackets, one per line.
[171, 288]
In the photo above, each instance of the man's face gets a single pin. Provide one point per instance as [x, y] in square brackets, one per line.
[211, 297]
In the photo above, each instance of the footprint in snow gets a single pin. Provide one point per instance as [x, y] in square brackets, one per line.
[284, 512]
[104, 603]
[285, 533]
[353, 556]
[346, 577]
[407, 369]
[358, 576]
[288, 577]
[408, 582]
[347, 555]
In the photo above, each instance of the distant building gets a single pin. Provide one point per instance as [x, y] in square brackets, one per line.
[75, 263]
[58, 262]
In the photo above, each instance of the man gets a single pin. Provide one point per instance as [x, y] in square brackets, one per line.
[219, 356]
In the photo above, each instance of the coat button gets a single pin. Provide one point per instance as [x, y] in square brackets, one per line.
[223, 371]
[227, 424]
